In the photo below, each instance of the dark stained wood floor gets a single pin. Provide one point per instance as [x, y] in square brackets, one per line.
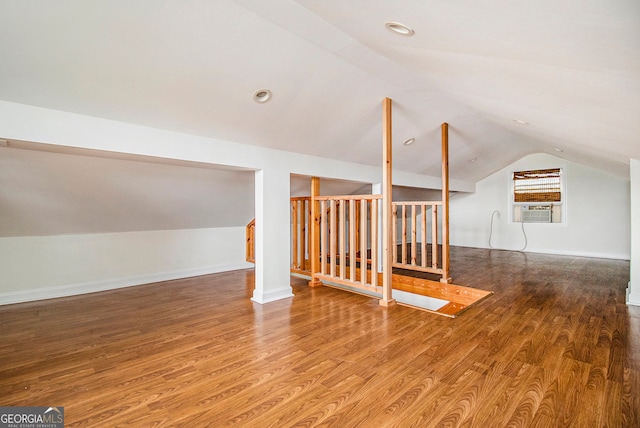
[554, 346]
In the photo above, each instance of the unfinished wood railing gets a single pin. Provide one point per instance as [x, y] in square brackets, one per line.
[300, 234]
[420, 232]
[250, 231]
[348, 231]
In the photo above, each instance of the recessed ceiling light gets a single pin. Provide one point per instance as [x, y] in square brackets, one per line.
[409, 141]
[262, 96]
[521, 122]
[472, 160]
[398, 28]
[558, 150]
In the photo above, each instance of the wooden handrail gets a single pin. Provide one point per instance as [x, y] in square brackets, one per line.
[346, 197]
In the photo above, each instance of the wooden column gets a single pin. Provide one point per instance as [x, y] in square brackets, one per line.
[445, 204]
[314, 238]
[387, 232]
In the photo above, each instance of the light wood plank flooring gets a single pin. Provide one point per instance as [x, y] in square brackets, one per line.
[554, 346]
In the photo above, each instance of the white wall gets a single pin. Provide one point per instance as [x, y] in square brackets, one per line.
[66, 132]
[42, 267]
[633, 297]
[597, 209]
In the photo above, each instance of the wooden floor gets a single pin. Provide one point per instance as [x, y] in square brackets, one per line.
[554, 346]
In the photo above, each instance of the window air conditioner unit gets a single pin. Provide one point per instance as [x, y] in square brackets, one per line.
[536, 213]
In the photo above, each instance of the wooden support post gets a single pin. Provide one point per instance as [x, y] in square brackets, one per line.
[445, 204]
[387, 233]
[314, 239]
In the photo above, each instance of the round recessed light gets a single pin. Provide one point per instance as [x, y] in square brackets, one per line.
[398, 28]
[521, 122]
[262, 96]
[409, 141]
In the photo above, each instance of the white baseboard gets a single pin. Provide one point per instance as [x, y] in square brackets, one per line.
[592, 255]
[271, 295]
[31, 295]
[632, 298]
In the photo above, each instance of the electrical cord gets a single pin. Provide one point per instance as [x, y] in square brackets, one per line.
[491, 232]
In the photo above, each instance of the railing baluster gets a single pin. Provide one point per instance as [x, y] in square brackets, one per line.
[294, 237]
[323, 237]
[302, 237]
[423, 244]
[374, 242]
[352, 240]
[434, 236]
[394, 232]
[358, 225]
[404, 234]
[307, 254]
[414, 234]
[333, 238]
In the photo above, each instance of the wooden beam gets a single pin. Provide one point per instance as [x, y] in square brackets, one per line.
[445, 204]
[387, 197]
[314, 239]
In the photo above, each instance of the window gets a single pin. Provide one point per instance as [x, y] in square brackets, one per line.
[537, 196]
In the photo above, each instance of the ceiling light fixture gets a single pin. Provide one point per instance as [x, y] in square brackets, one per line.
[262, 96]
[398, 28]
[521, 122]
[472, 160]
[409, 141]
[558, 150]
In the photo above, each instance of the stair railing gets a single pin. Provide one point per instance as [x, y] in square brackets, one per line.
[250, 231]
[300, 234]
[349, 229]
[420, 232]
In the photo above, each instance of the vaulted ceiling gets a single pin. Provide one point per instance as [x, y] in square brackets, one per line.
[510, 77]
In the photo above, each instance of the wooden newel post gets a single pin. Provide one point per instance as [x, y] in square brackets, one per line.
[314, 239]
[446, 277]
[387, 197]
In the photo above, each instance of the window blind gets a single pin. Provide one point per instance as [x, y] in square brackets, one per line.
[540, 185]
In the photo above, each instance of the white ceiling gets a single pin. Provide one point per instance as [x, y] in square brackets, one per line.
[570, 69]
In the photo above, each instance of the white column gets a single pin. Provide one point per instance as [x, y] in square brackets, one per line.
[272, 275]
[633, 292]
